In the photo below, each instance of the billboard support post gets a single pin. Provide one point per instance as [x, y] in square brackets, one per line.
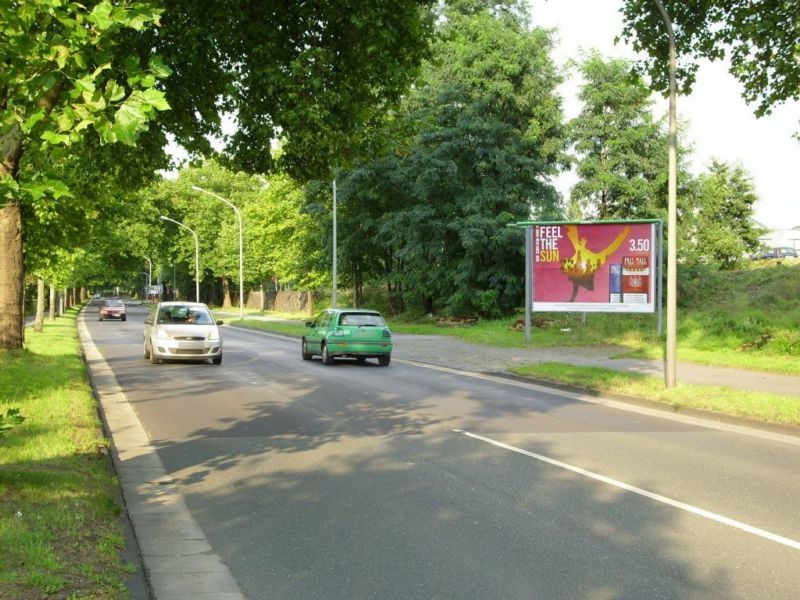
[528, 281]
[659, 284]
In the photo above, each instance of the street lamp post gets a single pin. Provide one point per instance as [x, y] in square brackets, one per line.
[147, 284]
[196, 256]
[241, 245]
[334, 300]
[672, 192]
[149, 275]
[150, 269]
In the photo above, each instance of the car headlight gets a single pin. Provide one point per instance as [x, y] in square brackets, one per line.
[163, 334]
[214, 335]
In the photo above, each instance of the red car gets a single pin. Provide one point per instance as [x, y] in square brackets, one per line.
[112, 308]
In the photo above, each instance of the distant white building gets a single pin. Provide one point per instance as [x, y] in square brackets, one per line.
[782, 238]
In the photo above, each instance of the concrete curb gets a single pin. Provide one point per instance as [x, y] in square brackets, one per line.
[178, 560]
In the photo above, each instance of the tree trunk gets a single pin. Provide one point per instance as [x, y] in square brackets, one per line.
[12, 277]
[226, 293]
[358, 285]
[52, 302]
[12, 265]
[39, 324]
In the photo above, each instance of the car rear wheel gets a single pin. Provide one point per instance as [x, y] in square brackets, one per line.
[327, 359]
[384, 360]
[304, 351]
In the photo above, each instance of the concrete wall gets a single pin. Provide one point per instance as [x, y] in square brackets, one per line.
[283, 301]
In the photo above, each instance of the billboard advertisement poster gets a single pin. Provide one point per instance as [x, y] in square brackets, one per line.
[594, 267]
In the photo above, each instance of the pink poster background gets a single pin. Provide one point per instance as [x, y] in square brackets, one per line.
[572, 263]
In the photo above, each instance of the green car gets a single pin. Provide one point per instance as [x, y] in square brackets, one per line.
[348, 332]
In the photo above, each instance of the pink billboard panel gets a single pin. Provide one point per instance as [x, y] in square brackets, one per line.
[594, 267]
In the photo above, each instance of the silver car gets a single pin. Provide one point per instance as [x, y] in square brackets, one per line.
[182, 330]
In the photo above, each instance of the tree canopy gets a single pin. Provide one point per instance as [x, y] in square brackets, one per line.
[621, 162]
[312, 73]
[488, 138]
[761, 40]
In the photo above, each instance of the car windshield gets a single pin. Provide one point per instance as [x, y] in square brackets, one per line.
[361, 320]
[115, 303]
[184, 315]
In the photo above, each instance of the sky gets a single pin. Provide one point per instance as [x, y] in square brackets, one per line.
[721, 124]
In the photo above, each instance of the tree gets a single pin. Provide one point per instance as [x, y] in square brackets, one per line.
[285, 243]
[312, 72]
[720, 229]
[621, 161]
[761, 39]
[488, 137]
[63, 80]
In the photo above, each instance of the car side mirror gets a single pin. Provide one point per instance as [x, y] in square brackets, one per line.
[219, 322]
[148, 321]
[309, 323]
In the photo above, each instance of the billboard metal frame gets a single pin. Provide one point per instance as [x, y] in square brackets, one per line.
[656, 268]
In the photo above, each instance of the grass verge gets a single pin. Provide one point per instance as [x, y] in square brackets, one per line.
[769, 408]
[60, 529]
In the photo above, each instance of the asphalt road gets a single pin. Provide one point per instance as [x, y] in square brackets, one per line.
[359, 481]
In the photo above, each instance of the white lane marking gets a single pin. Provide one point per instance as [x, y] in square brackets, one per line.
[773, 537]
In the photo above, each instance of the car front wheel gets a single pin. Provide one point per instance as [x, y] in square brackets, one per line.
[304, 351]
[154, 360]
[217, 360]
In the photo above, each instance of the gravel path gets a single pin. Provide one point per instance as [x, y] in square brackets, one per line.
[450, 352]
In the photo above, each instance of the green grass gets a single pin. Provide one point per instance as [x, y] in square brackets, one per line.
[59, 509]
[753, 405]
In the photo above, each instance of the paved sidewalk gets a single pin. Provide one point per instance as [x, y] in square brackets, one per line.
[446, 351]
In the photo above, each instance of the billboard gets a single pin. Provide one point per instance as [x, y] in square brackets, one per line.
[594, 267]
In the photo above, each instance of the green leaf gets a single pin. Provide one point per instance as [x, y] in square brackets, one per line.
[158, 68]
[100, 69]
[55, 138]
[31, 121]
[108, 134]
[114, 91]
[129, 120]
[85, 84]
[61, 55]
[101, 16]
[80, 60]
[156, 99]
[65, 121]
